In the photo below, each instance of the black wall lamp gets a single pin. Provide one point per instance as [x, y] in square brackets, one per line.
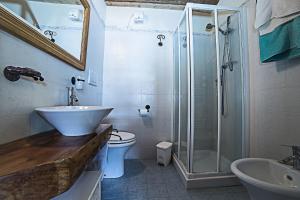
[160, 37]
[51, 34]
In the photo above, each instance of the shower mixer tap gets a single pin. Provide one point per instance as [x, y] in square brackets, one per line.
[228, 65]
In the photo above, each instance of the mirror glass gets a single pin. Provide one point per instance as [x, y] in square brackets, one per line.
[61, 21]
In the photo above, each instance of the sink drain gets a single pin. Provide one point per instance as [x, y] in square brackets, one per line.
[288, 177]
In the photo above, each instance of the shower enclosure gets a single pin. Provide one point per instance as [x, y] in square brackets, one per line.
[210, 90]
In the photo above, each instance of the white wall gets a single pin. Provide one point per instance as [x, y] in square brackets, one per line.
[138, 72]
[275, 100]
[18, 99]
[235, 3]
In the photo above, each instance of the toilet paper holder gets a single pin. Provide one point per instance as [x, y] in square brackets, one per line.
[144, 111]
[147, 108]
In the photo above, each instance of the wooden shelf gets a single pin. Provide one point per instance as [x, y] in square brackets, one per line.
[46, 164]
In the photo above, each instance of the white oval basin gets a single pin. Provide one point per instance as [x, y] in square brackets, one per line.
[267, 179]
[74, 120]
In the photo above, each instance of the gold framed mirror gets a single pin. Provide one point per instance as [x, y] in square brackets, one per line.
[64, 34]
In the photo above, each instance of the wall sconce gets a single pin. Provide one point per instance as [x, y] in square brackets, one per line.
[160, 37]
[51, 34]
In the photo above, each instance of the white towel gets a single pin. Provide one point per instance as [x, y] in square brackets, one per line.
[272, 13]
[263, 12]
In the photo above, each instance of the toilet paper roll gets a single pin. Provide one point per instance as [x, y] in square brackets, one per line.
[143, 112]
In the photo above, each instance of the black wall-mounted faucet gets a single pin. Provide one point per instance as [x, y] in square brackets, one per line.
[14, 73]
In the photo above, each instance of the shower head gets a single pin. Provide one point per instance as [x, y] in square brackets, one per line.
[209, 27]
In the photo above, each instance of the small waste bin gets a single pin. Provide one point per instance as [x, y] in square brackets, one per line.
[164, 153]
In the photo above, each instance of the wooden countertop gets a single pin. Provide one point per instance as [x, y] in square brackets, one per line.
[46, 164]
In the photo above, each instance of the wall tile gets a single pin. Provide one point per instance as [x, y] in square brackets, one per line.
[138, 72]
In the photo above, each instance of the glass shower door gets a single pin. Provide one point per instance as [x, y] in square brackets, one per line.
[208, 89]
[231, 141]
[176, 94]
[184, 93]
[204, 92]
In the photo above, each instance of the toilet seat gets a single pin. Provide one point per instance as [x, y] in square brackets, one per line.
[118, 145]
[121, 137]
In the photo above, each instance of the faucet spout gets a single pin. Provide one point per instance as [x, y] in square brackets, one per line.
[293, 160]
[288, 161]
[72, 98]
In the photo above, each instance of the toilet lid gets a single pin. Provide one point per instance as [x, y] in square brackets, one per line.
[121, 137]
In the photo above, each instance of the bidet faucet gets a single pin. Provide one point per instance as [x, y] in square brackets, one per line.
[116, 130]
[72, 98]
[293, 160]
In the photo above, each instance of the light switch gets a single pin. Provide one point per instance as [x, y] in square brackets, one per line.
[92, 80]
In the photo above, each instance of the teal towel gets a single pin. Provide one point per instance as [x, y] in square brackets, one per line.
[282, 43]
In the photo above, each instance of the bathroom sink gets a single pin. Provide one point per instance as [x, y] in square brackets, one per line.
[74, 120]
[267, 179]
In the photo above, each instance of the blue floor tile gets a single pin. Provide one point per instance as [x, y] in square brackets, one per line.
[145, 180]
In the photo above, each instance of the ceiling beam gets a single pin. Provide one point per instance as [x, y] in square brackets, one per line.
[171, 4]
[77, 2]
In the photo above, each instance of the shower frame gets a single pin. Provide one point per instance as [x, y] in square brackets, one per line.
[187, 172]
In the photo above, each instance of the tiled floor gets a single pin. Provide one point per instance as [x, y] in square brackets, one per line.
[145, 180]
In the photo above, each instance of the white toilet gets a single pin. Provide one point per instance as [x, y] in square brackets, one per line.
[118, 144]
